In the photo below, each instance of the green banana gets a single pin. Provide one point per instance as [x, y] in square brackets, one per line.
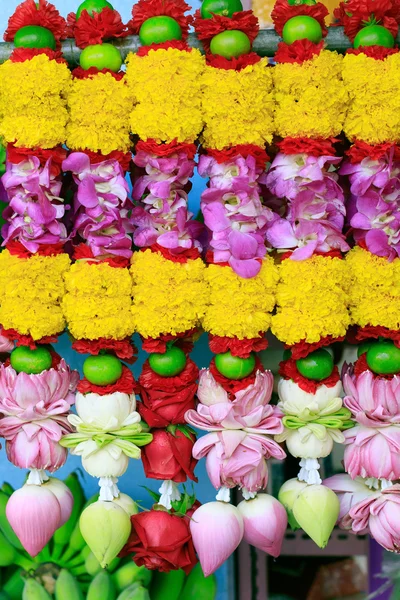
[67, 587]
[7, 488]
[62, 536]
[167, 586]
[76, 541]
[197, 586]
[5, 526]
[34, 591]
[134, 592]
[92, 565]
[14, 585]
[131, 573]
[80, 558]
[101, 588]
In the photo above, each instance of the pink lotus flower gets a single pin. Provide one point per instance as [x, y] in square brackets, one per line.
[265, 522]
[350, 493]
[250, 410]
[35, 410]
[373, 401]
[36, 511]
[217, 530]
[372, 452]
[237, 458]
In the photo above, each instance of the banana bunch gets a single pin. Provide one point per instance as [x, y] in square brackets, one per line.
[66, 569]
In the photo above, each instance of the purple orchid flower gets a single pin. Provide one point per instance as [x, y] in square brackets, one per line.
[162, 174]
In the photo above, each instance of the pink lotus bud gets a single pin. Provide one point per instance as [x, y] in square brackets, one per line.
[34, 513]
[64, 497]
[217, 530]
[265, 523]
[384, 521]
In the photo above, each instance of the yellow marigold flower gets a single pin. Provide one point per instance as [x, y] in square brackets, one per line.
[312, 300]
[166, 86]
[33, 102]
[311, 99]
[98, 301]
[374, 96]
[237, 106]
[375, 289]
[240, 307]
[168, 297]
[31, 291]
[99, 109]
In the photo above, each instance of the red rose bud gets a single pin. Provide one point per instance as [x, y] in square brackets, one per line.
[165, 400]
[169, 455]
[161, 541]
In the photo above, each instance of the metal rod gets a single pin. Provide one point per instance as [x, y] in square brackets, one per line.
[265, 44]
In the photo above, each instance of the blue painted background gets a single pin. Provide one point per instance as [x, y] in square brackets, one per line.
[134, 478]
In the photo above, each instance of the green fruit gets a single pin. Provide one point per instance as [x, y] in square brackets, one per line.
[33, 362]
[158, 30]
[34, 36]
[101, 56]
[167, 586]
[364, 346]
[101, 587]
[374, 35]
[93, 6]
[318, 365]
[230, 44]
[67, 587]
[34, 591]
[197, 586]
[135, 592]
[171, 363]
[104, 369]
[219, 7]
[302, 27]
[234, 367]
[383, 358]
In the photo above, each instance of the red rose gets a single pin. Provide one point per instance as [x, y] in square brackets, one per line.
[169, 456]
[165, 400]
[161, 541]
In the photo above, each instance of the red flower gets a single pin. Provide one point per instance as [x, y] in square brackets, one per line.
[354, 14]
[244, 21]
[243, 150]
[125, 384]
[235, 385]
[19, 55]
[84, 252]
[17, 249]
[242, 348]
[288, 370]
[184, 341]
[46, 15]
[232, 64]
[297, 52]
[161, 541]
[303, 349]
[96, 28]
[314, 147]
[376, 52]
[80, 73]
[182, 257]
[145, 9]
[167, 149]
[282, 12]
[361, 150]
[169, 456]
[165, 400]
[124, 349]
[57, 155]
[177, 44]
[375, 332]
[27, 340]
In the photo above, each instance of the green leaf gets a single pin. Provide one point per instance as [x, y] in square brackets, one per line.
[153, 494]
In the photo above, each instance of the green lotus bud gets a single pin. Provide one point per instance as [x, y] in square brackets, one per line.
[316, 510]
[288, 493]
[126, 502]
[105, 526]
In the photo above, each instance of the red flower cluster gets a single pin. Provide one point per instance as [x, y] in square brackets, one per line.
[183, 340]
[303, 349]
[360, 150]
[124, 349]
[36, 12]
[177, 44]
[297, 52]
[83, 251]
[80, 73]
[313, 147]
[22, 54]
[233, 64]
[166, 149]
[57, 155]
[145, 9]
[231, 386]
[243, 150]
[282, 12]
[126, 384]
[244, 21]
[96, 28]
[17, 249]
[354, 14]
[241, 348]
[27, 340]
[360, 334]
[161, 541]
[376, 52]
[183, 257]
[165, 400]
[169, 455]
[288, 370]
